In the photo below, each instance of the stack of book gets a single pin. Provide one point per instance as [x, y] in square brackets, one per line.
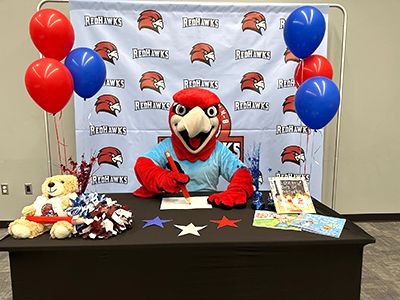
[295, 210]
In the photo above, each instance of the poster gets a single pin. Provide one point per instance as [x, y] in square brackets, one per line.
[154, 49]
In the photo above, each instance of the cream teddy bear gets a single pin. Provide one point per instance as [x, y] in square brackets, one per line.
[57, 192]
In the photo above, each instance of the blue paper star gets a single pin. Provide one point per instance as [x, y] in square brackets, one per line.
[156, 221]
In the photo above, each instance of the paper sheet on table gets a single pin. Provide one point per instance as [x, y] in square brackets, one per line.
[180, 203]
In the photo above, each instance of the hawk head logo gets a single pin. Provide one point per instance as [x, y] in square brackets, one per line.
[252, 81]
[153, 81]
[47, 210]
[288, 104]
[108, 51]
[254, 21]
[109, 104]
[294, 154]
[289, 56]
[150, 19]
[202, 52]
[110, 155]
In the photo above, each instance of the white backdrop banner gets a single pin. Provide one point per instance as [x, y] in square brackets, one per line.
[154, 49]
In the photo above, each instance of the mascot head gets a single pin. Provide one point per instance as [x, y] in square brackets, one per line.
[150, 19]
[110, 155]
[289, 56]
[108, 51]
[109, 104]
[294, 154]
[153, 81]
[288, 104]
[194, 120]
[252, 81]
[202, 52]
[254, 21]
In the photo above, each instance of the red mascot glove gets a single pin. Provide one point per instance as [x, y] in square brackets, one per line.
[239, 189]
[155, 179]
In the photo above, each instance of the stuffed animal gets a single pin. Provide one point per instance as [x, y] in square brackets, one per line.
[194, 120]
[57, 192]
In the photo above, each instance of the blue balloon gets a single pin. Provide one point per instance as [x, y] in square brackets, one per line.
[88, 71]
[304, 31]
[317, 101]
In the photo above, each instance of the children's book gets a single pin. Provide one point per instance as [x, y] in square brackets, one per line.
[269, 219]
[319, 224]
[291, 195]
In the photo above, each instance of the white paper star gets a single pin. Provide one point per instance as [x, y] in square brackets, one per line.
[190, 229]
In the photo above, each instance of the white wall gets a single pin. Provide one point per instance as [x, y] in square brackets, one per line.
[369, 148]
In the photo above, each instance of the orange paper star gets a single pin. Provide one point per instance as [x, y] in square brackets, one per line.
[225, 222]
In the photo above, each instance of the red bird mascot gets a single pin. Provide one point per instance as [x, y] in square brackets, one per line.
[194, 120]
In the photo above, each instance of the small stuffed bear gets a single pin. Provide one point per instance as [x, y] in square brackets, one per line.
[57, 192]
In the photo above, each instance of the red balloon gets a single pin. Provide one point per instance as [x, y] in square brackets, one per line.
[52, 33]
[49, 83]
[314, 65]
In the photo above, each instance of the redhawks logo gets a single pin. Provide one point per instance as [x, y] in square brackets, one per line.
[252, 81]
[254, 21]
[202, 52]
[289, 56]
[150, 19]
[108, 103]
[233, 143]
[288, 104]
[110, 155]
[47, 210]
[293, 154]
[108, 51]
[153, 81]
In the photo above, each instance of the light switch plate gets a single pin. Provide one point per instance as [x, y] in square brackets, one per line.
[28, 189]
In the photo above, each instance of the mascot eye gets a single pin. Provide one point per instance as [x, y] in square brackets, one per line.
[62, 182]
[180, 110]
[212, 111]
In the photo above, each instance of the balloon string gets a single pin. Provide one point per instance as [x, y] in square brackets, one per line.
[63, 140]
[58, 142]
[301, 143]
[312, 152]
[307, 142]
[302, 70]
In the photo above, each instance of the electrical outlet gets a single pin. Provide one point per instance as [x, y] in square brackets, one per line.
[28, 189]
[4, 188]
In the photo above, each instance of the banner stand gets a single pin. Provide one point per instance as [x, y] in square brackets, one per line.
[338, 123]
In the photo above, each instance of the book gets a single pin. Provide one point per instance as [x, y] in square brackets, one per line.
[269, 219]
[291, 195]
[319, 224]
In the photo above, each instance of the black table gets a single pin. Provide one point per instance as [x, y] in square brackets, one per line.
[153, 263]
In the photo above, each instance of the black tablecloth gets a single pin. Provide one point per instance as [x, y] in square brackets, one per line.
[153, 236]
[245, 263]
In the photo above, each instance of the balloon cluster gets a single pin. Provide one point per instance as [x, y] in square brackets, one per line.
[49, 82]
[317, 98]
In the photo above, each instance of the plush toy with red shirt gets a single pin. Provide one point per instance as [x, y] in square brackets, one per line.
[194, 120]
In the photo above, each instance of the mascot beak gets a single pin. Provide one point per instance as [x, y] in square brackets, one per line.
[116, 107]
[113, 54]
[300, 157]
[160, 84]
[210, 56]
[260, 85]
[117, 158]
[262, 25]
[159, 23]
[195, 122]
